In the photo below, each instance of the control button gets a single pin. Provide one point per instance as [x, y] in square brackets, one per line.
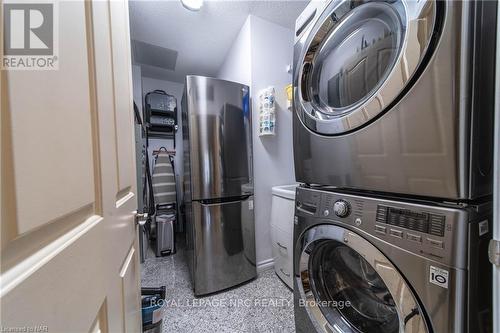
[396, 233]
[414, 238]
[435, 243]
[358, 221]
[341, 208]
[380, 229]
[326, 212]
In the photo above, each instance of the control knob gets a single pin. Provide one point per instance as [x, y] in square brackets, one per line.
[341, 208]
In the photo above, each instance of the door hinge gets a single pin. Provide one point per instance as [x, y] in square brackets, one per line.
[494, 252]
[141, 218]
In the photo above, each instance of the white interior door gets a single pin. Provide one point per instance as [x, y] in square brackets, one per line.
[68, 239]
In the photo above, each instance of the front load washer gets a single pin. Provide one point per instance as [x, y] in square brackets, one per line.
[365, 264]
[396, 96]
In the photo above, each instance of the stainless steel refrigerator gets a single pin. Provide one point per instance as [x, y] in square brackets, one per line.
[218, 183]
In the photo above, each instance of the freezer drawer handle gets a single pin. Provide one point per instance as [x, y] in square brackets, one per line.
[282, 271]
[209, 203]
[494, 252]
[282, 246]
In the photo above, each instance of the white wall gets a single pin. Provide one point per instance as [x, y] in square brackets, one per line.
[237, 65]
[137, 86]
[271, 49]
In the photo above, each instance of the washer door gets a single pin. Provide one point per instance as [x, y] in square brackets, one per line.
[347, 285]
[359, 58]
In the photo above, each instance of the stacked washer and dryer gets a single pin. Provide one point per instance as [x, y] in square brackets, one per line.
[393, 135]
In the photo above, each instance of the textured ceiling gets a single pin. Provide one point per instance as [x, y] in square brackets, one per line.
[203, 38]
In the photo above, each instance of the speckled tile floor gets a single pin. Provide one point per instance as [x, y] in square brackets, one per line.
[262, 305]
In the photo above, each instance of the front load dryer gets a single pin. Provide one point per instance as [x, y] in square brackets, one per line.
[379, 265]
[396, 96]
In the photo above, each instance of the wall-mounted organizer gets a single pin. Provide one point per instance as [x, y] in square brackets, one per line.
[160, 114]
[267, 112]
[160, 123]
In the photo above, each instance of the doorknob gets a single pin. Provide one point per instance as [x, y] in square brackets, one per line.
[141, 218]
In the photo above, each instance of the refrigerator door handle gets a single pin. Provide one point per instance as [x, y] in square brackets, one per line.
[209, 203]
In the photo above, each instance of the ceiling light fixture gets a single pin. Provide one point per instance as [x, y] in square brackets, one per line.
[193, 5]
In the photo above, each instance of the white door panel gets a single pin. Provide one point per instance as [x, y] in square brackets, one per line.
[129, 273]
[69, 252]
[51, 133]
[122, 83]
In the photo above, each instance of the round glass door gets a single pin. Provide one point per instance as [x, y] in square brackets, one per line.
[347, 283]
[359, 59]
[342, 276]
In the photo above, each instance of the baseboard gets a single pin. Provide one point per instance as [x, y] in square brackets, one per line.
[265, 265]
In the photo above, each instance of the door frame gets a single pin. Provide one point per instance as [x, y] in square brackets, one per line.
[496, 184]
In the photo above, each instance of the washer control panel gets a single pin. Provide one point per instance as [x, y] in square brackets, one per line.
[425, 222]
[433, 231]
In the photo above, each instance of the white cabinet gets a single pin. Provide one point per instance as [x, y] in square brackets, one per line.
[283, 205]
[283, 254]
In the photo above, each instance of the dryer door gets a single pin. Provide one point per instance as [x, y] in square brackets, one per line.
[348, 285]
[359, 58]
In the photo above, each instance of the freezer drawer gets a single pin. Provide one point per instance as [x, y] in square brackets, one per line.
[224, 245]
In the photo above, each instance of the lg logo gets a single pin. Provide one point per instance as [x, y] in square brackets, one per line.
[28, 29]
[439, 276]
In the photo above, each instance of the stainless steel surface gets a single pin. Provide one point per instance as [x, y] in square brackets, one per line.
[454, 237]
[494, 252]
[218, 127]
[402, 254]
[165, 242]
[496, 181]
[224, 252]
[218, 183]
[141, 218]
[419, 120]
[143, 243]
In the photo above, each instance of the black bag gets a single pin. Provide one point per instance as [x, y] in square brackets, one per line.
[161, 110]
